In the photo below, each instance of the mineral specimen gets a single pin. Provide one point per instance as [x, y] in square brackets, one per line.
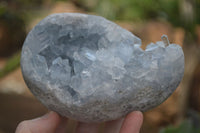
[90, 69]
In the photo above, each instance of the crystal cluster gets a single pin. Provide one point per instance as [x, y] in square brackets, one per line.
[90, 69]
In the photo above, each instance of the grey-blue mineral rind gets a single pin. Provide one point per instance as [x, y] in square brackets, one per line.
[90, 69]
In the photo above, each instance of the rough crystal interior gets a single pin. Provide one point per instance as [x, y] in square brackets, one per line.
[90, 69]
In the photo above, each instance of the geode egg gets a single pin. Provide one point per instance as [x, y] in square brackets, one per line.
[87, 68]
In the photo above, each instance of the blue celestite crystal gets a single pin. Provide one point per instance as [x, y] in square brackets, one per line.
[90, 69]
